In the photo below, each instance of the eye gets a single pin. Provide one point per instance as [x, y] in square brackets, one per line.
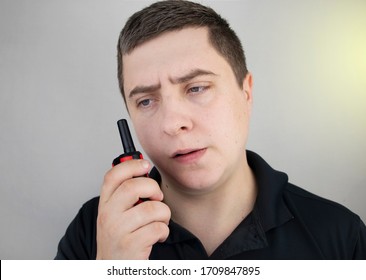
[144, 103]
[197, 89]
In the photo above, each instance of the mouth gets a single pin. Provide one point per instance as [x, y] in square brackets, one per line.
[188, 155]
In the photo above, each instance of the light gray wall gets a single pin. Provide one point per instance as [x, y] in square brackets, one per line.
[59, 102]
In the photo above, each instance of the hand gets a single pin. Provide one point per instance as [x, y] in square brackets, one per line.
[126, 230]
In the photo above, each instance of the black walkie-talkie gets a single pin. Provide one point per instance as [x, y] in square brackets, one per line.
[127, 143]
[129, 149]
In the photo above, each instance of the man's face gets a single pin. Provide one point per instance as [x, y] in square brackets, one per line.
[189, 113]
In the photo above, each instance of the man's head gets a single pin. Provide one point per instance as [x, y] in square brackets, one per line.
[173, 15]
[189, 107]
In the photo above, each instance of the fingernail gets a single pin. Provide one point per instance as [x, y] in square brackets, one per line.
[145, 164]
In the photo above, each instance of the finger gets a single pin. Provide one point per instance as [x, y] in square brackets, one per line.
[144, 214]
[131, 190]
[121, 233]
[120, 173]
[152, 233]
[137, 245]
[123, 218]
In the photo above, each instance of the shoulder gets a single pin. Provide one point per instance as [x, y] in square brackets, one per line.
[338, 231]
[88, 212]
[315, 207]
[86, 218]
[79, 241]
[91, 206]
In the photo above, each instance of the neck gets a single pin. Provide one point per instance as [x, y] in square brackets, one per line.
[214, 214]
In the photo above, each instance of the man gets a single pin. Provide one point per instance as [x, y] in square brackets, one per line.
[183, 77]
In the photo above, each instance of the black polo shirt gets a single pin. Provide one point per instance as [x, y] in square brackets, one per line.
[287, 222]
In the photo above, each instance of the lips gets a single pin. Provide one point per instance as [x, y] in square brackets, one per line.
[184, 152]
[188, 155]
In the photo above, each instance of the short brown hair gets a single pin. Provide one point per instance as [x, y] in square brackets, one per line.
[171, 15]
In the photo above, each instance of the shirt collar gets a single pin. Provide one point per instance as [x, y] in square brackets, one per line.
[272, 209]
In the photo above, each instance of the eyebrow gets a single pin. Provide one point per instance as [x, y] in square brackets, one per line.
[143, 89]
[191, 75]
[175, 80]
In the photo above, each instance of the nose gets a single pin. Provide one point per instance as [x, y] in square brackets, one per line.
[175, 117]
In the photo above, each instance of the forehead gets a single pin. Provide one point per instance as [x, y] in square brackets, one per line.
[172, 52]
[171, 44]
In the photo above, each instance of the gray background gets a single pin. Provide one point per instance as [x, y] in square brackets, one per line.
[59, 103]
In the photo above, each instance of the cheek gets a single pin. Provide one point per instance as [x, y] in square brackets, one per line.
[152, 144]
[145, 138]
[234, 121]
[145, 134]
[232, 109]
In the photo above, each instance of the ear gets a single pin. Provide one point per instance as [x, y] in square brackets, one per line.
[247, 86]
[247, 90]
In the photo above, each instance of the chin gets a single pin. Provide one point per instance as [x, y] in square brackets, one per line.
[198, 183]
